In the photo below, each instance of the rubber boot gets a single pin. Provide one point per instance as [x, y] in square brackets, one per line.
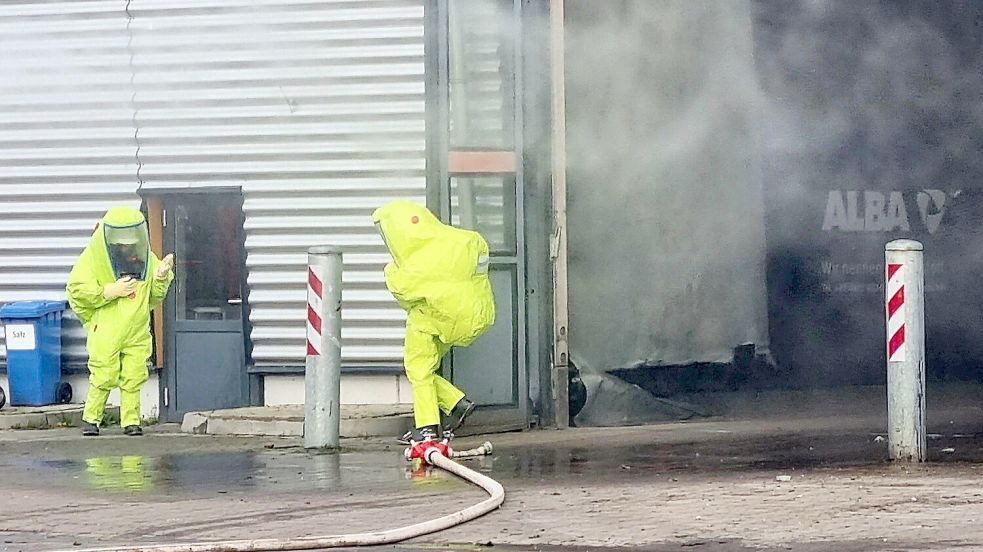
[419, 434]
[458, 414]
[429, 433]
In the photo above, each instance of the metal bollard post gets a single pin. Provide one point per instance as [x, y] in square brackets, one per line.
[322, 375]
[905, 298]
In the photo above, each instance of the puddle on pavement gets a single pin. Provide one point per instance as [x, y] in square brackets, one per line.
[290, 471]
[223, 472]
[731, 456]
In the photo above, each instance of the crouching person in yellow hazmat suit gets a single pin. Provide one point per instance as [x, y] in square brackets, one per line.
[112, 288]
[439, 275]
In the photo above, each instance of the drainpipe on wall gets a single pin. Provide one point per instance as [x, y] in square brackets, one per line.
[558, 242]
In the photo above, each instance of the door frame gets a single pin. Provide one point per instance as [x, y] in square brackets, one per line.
[166, 198]
[443, 163]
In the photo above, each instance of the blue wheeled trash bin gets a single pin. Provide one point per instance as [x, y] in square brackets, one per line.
[33, 340]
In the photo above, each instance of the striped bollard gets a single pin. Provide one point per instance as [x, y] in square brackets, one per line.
[322, 374]
[905, 308]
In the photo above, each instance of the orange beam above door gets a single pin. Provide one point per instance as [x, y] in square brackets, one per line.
[480, 162]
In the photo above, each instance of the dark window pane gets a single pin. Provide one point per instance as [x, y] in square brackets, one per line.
[207, 269]
[486, 204]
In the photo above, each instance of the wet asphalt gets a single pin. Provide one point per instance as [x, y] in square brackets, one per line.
[168, 463]
[169, 466]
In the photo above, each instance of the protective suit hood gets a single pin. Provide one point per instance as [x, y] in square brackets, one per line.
[94, 268]
[120, 245]
[439, 274]
[406, 227]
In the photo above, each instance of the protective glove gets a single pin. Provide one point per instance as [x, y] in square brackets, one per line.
[164, 266]
[123, 287]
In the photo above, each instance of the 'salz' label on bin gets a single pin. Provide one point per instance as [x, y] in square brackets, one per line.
[20, 337]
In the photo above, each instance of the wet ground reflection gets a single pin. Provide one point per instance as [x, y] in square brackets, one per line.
[291, 470]
[734, 456]
[221, 472]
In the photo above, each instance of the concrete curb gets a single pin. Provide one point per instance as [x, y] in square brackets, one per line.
[45, 417]
[288, 421]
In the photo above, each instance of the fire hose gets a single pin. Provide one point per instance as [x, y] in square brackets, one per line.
[433, 455]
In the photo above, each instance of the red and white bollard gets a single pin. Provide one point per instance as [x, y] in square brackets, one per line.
[322, 375]
[905, 309]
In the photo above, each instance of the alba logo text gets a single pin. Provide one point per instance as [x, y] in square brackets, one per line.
[873, 211]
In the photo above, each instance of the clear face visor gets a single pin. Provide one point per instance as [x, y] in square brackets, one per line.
[378, 228]
[128, 247]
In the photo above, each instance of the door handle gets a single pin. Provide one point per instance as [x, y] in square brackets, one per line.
[235, 301]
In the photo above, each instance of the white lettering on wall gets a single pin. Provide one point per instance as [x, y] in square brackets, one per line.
[874, 211]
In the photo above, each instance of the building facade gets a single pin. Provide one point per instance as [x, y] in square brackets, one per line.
[733, 171]
[248, 133]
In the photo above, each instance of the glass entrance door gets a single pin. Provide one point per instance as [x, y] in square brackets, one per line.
[205, 367]
[477, 180]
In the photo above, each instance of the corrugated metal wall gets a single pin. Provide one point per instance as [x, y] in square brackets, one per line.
[314, 108]
[66, 142]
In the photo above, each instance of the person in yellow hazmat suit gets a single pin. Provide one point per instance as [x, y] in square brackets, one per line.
[439, 275]
[112, 288]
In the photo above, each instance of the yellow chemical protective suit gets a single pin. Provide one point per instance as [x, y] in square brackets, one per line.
[439, 275]
[117, 329]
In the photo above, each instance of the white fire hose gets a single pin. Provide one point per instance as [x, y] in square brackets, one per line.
[483, 450]
[496, 495]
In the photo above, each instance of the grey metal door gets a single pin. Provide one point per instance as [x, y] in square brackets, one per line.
[475, 182]
[206, 354]
[492, 371]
